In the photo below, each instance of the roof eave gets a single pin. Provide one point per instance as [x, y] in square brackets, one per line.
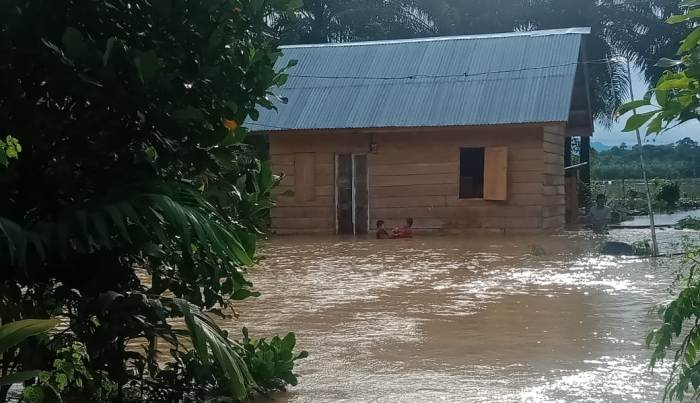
[359, 130]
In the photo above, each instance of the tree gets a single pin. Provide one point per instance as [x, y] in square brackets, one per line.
[668, 192]
[135, 201]
[687, 143]
[677, 101]
[631, 29]
[676, 91]
[320, 21]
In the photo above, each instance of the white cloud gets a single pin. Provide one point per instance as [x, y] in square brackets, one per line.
[615, 136]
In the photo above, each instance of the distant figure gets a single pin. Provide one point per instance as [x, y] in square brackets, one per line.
[404, 232]
[381, 232]
[599, 216]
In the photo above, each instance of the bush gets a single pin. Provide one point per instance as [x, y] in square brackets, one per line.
[70, 379]
[588, 193]
[680, 331]
[689, 223]
[13, 334]
[271, 362]
[632, 194]
[642, 248]
[667, 192]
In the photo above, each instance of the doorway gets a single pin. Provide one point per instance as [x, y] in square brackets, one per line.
[352, 194]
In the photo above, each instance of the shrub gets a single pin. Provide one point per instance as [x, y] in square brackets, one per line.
[70, 379]
[136, 188]
[11, 335]
[667, 192]
[689, 223]
[642, 248]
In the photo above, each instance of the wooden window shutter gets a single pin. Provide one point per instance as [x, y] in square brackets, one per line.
[304, 177]
[496, 173]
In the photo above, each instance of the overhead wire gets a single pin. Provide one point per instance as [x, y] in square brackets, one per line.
[427, 76]
[454, 75]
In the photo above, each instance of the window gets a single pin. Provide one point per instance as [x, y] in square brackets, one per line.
[471, 173]
[483, 173]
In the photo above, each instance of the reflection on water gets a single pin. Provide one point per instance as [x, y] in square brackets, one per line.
[463, 318]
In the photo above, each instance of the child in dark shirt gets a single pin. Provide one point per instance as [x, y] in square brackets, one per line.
[381, 232]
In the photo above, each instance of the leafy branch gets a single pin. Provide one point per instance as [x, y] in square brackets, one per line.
[676, 91]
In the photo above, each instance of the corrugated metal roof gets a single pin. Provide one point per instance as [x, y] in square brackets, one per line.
[523, 77]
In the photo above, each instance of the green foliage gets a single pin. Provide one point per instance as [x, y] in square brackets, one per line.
[213, 347]
[317, 21]
[9, 149]
[667, 192]
[14, 333]
[70, 379]
[138, 187]
[642, 248]
[680, 317]
[633, 194]
[211, 355]
[272, 362]
[588, 192]
[689, 223]
[677, 100]
[676, 92]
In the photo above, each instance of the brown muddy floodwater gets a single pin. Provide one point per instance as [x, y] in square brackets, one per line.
[464, 319]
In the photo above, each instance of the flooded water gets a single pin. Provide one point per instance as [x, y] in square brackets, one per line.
[464, 319]
[661, 219]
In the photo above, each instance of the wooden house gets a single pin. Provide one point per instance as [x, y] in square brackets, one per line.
[458, 133]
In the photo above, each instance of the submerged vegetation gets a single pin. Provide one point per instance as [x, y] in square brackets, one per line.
[667, 192]
[689, 223]
[132, 199]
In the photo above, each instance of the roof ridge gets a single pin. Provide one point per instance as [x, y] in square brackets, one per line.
[547, 32]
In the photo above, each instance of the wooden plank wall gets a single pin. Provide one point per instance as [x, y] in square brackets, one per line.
[416, 174]
[318, 215]
[554, 210]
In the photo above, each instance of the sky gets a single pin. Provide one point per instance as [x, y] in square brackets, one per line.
[615, 136]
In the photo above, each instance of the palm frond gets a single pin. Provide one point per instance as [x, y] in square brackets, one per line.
[175, 215]
[13, 333]
[212, 345]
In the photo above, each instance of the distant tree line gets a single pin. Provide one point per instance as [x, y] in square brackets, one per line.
[670, 161]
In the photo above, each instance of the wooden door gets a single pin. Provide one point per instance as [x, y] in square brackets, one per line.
[496, 173]
[361, 194]
[344, 194]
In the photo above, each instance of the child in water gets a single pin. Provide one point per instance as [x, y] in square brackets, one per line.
[404, 232]
[381, 232]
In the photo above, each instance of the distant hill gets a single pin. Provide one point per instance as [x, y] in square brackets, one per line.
[598, 146]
